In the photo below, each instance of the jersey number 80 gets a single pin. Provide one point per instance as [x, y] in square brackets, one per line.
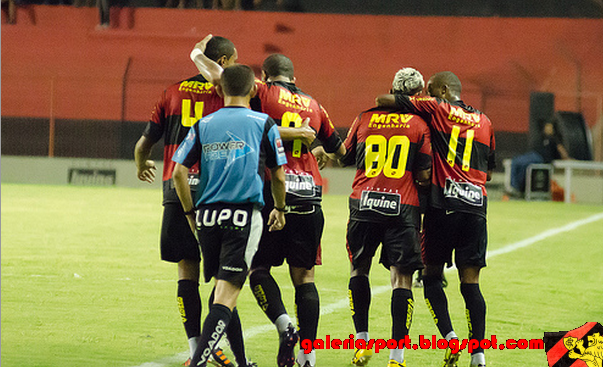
[389, 157]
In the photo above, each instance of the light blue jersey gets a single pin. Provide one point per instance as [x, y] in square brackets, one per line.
[233, 146]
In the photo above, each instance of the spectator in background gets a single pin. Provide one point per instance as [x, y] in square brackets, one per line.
[551, 149]
[10, 8]
[104, 8]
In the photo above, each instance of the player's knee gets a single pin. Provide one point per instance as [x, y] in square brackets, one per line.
[188, 270]
[469, 275]
[432, 280]
[300, 276]
[258, 274]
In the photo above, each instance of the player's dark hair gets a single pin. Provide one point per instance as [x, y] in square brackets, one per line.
[219, 46]
[237, 80]
[278, 65]
[450, 79]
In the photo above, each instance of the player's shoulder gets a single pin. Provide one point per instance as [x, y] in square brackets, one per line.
[196, 84]
[424, 99]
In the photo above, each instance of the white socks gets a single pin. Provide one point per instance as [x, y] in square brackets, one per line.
[282, 322]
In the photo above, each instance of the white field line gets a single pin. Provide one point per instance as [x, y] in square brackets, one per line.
[344, 303]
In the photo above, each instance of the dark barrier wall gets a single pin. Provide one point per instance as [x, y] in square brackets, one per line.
[54, 62]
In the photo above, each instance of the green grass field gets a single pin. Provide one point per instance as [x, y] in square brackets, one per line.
[82, 283]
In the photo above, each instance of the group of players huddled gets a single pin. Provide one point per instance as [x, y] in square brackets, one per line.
[241, 181]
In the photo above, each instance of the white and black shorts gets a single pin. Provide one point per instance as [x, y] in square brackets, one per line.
[229, 236]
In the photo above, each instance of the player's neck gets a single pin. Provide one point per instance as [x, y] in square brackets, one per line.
[280, 78]
[236, 101]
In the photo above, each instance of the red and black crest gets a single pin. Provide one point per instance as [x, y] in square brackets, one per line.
[581, 347]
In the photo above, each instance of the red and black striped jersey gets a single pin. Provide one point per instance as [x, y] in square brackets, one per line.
[289, 107]
[463, 152]
[388, 147]
[180, 106]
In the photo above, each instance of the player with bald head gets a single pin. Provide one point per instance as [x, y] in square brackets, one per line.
[463, 158]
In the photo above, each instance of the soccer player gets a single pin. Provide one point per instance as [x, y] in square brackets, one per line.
[178, 108]
[392, 155]
[232, 148]
[463, 158]
[300, 119]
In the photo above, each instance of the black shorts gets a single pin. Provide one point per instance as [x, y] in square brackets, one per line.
[400, 244]
[465, 233]
[177, 240]
[229, 236]
[298, 241]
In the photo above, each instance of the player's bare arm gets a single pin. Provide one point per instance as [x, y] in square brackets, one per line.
[183, 189]
[386, 100]
[144, 166]
[210, 69]
[276, 220]
[305, 133]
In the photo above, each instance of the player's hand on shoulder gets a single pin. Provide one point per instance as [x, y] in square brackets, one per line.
[147, 171]
[276, 220]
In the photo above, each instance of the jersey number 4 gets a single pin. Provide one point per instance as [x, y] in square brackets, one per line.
[454, 140]
[389, 157]
[188, 120]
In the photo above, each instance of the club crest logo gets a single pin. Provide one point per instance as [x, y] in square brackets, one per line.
[581, 347]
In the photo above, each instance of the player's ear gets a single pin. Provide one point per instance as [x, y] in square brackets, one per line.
[253, 91]
[222, 60]
[219, 90]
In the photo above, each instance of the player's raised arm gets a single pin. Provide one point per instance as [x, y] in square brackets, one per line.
[210, 69]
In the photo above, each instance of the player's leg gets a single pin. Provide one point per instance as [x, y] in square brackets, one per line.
[189, 301]
[302, 253]
[439, 237]
[359, 293]
[217, 320]
[234, 334]
[470, 257]
[402, 306]
[179, 245]
[476, 311]
[362, 240]
[263, 285]
[401, 254]
[307, 306]
[268, 295]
